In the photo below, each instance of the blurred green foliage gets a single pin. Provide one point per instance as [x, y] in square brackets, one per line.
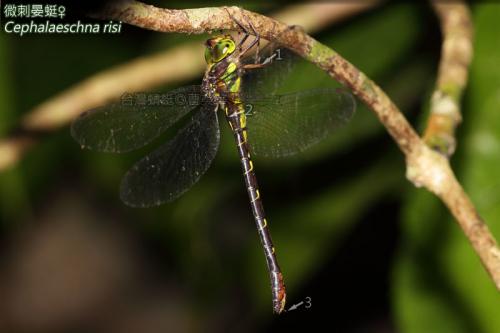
[440, 285]
[12, 190]
[314, 200]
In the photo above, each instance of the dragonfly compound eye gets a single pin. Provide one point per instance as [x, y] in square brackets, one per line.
[218, 48]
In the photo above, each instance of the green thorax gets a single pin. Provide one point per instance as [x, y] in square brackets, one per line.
[222, 77]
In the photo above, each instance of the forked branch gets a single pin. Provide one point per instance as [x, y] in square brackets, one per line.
[425, 167]
[145, 73]
[456, 55]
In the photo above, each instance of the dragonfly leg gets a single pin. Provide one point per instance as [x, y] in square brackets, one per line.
[256, 41]
[238, 23]
[242, 28]
[255, 66]
[263, 64]
[254, 32]
[268, 60]
[242, 41]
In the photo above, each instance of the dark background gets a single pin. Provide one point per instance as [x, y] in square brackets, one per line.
[373, 253]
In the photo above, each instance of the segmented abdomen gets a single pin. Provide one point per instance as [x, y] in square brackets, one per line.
[235, 115]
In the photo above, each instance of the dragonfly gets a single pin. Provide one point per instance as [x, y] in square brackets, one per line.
[244, 87]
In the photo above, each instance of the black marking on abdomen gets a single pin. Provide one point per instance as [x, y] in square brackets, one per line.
[235, 116]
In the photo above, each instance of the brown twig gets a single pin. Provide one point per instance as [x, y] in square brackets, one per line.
[456, 55]
[211, 19]
[425, 167]
[146, 73]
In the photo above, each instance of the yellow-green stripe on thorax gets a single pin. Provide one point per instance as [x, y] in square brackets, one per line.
[229, 85]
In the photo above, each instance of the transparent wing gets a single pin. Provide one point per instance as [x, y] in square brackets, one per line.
[125, 126]
[172, 169]
[268, 79]
[283, 125]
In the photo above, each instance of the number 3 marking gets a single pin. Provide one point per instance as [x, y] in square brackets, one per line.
[308, 302]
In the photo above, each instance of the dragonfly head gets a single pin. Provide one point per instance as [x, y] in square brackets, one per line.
[218, 48]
